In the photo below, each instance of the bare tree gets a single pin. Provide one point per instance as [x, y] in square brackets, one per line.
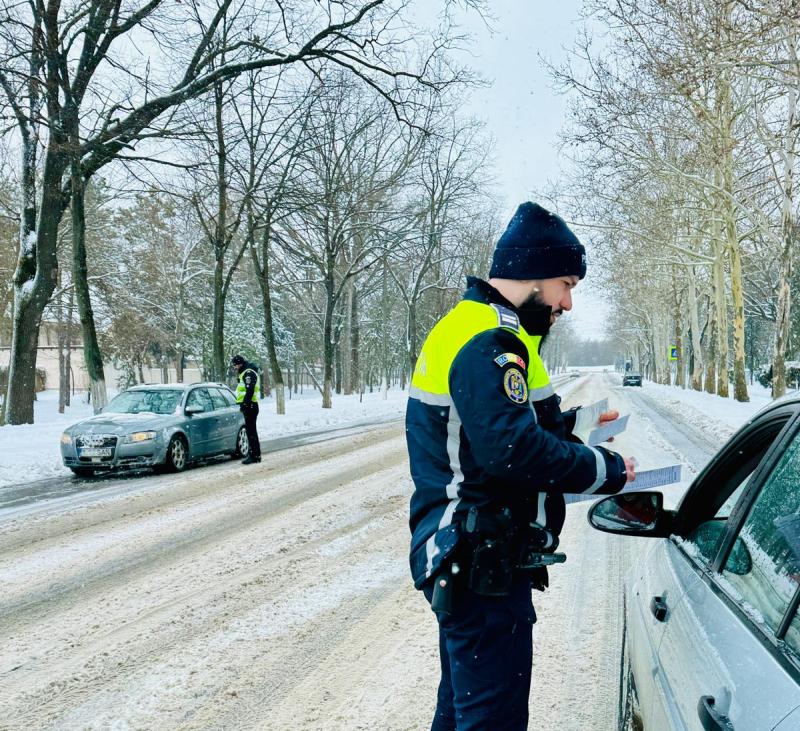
[69, 78]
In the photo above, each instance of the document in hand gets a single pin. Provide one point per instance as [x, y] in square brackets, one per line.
[588, 428]
[587, 419]
[601, 434]
[645, 480]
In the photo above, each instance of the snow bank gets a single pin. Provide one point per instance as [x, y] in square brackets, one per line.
[32, 451]
[713, 414]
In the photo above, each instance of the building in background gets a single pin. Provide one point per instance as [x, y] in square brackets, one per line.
[47, 363]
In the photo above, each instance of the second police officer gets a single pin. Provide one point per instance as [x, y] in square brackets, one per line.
[247, 392]
[491, 455]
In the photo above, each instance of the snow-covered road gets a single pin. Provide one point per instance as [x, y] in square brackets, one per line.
[278, 597]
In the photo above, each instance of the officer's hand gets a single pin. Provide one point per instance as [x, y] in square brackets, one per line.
[608, 416]
[630, 468]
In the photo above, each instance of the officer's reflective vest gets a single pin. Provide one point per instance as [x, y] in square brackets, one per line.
[430, 382]
[438, 484]
[241, 389]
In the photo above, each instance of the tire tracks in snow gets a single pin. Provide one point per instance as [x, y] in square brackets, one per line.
[130, 564]
[262, 578]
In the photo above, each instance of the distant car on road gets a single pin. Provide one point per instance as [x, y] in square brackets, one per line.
[163, 426]
[574, 373]
[632, 379]
[712, 629]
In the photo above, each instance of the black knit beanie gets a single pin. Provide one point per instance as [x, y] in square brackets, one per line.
[537, 245]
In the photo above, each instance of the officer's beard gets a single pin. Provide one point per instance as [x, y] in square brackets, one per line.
[535, 315]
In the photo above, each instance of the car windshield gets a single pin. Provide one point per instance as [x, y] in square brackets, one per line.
[155, 402]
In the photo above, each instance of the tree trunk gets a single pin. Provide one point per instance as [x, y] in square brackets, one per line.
[710, 383]
[355, 342]
[179, 356]
[346, 342]
[720, 313]
[737, 293]
[91, 348]
[411, 337]
[680, 379]
[337, 362]
[694, 327]
[262, 268]
[218, 325]
[65, 351]
[34, 281]
[328, 344]
[386, 366]
[220, 230]
[782, 319]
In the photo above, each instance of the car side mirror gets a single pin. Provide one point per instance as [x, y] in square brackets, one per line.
[194, 409]
[632, 514]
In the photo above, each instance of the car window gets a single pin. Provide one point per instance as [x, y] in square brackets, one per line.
[707, 537]
[218, 399]
[229, 397]
[155, 401]
[200, 397]
[763, 569]
[705, 512]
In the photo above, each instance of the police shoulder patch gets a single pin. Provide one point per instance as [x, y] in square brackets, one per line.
[506, 318]
[515, 386]
[507, 358]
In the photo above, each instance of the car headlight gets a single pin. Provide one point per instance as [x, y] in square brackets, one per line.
[140, 436]
[66, 438]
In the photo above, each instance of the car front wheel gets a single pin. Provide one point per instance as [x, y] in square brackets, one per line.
[242, 445]
[177, 455]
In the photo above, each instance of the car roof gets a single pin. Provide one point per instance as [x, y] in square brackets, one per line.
[175, 386]
[791, 400]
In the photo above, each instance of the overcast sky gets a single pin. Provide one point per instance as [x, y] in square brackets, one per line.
[523, 113]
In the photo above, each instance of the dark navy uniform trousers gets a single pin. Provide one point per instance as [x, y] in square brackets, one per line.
[485, 646]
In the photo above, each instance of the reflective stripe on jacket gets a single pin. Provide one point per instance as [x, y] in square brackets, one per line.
[484, 428]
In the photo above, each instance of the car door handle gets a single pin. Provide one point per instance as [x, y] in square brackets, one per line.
[710, 717]
[658, 607]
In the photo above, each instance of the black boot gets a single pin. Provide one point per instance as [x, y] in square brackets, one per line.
[250, 459]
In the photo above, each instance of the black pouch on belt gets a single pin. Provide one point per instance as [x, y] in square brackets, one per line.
[492, 569]
[491, 537]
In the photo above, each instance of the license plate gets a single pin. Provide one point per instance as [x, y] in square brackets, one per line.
[96, 452]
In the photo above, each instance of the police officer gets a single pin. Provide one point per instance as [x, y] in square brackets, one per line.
[491, 455]
[247, 391]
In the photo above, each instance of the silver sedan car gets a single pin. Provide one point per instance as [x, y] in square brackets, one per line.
[162, 426]
[712, 627]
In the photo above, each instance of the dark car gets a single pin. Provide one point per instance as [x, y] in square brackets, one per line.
[162, 426]
[712, 629]
[632, 379]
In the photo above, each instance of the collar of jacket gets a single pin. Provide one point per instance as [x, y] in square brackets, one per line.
[534, 318]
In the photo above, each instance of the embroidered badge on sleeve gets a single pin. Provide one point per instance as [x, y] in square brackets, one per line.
[515, 386]
[506, 358]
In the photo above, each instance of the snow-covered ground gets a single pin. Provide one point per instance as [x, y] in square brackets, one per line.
[32, 452]
[716, 415]
[277, 596]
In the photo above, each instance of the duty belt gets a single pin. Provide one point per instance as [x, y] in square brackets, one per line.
[496, 549]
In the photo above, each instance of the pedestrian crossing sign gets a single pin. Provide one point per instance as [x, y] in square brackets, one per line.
[673, 353]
